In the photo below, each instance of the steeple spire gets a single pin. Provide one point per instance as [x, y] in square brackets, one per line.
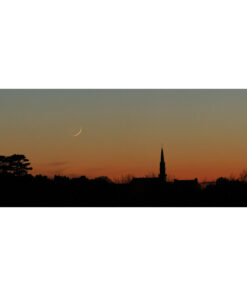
[162, 175]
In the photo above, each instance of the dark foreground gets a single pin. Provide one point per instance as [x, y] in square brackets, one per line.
[63, 192]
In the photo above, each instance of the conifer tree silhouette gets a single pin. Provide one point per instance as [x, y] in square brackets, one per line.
[16, 164]
[4, 165]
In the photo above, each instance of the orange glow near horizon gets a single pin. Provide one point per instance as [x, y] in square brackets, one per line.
[203, 131]
[181, 170]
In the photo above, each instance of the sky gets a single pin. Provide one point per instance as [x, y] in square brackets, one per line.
[203, 132]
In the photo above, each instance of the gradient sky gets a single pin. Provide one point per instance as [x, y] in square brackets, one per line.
[203, 131]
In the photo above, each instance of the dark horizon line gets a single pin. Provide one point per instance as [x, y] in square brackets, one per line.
[120, 180]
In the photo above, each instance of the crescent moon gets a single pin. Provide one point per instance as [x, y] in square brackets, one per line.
[77, 134]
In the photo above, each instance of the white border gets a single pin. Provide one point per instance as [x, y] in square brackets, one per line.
[123, 44]
[123, 252]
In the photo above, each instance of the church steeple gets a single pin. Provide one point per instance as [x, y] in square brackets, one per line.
[162, 175]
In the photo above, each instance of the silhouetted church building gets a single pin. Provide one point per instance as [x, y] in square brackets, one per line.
[162, 175]
[147, 184]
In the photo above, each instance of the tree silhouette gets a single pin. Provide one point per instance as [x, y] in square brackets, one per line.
[126, 179]
[4, 165]
[243, 176]
[16, 164]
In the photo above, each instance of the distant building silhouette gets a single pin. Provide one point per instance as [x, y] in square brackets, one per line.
[162, 174]
[149, 184]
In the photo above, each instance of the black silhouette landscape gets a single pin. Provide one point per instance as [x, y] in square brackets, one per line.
[20, 189]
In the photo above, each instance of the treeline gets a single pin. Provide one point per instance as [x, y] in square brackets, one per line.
[19, 188]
